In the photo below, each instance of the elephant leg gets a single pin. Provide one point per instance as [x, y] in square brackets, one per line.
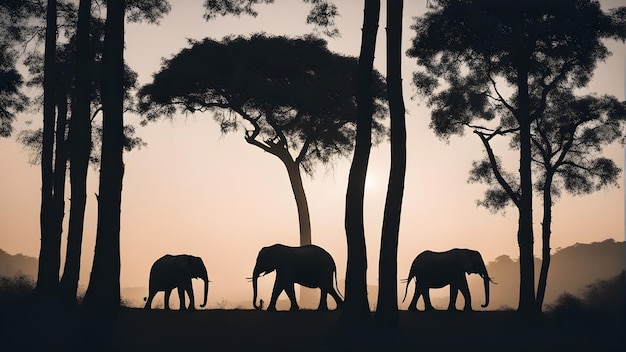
[323, 300]
[466, 295]
[181, 297]
[149, 300]
[276, 291]
[416, 296]
[167, 299]
[427, 305]
[336, 297]
[189, 289]
[289, 290]
[454, 291]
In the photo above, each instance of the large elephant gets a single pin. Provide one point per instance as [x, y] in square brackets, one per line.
[438, 269]
[309, 266]
[176, 271]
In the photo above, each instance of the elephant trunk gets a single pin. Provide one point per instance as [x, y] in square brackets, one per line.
[486, 278]
[406, 289]
[255, 277]
[206, 291]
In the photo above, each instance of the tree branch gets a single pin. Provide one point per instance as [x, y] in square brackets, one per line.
[496, 171]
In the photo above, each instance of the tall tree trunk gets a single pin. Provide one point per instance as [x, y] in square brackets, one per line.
[103, 291]
[525, 223]
[60, 169]
[387, 308]
[356, 307]
[80, 149]
[525, 226]
[49, 253]
[546, 230]
[304, 218]
[307, 295]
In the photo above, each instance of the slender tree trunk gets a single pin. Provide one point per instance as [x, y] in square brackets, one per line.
[103, 291]
[387, 309]
[304, 218]
[80, 149]
[308, 296]
[60, 170]
[356, 307]
[49, 253]
[525, 230]
[546, 229]
[525, 226]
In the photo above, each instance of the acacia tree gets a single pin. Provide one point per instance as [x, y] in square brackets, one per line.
[479, 47]
[567, 143]
[387, 307]
[295, 99]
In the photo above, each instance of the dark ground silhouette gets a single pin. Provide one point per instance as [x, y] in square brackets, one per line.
[243, 330]
[593, 322]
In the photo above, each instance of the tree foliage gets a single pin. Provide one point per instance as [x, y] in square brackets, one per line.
[568, 141]
[289, 91]
[14, 29]
[66, 63]
[322, 13]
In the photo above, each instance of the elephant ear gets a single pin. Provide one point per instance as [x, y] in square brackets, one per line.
[475, 263]
[185, 263]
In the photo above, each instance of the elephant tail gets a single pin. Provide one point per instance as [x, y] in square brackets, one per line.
[406, 289]
[337, 285]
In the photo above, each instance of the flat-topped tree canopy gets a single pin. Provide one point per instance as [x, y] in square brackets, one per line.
[293, 92]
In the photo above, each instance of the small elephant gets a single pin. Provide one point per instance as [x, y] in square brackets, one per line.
[176, 271]
[309, 266]
[438, 269]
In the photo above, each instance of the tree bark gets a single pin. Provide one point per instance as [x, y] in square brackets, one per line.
[60, 170]
[103, 292]
[80, 149]
[49, 253]
[387, 308]
[525, 225]
[356, 306]
[546, 230]
[304, 217]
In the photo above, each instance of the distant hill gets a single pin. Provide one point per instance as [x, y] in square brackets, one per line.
[18, 264]
[571, 270]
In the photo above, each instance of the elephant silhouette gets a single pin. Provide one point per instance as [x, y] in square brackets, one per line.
[438, 269]
[176, 271]
[309, 266]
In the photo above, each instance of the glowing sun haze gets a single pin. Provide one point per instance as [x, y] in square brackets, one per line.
[195, 191]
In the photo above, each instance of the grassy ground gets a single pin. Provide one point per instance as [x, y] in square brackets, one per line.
[248, 330]
[595, 322]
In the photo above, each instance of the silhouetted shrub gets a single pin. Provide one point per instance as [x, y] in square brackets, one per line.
[506, 308]
[600, 300]
[16, 290]
[567, 307]
[606, 296]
